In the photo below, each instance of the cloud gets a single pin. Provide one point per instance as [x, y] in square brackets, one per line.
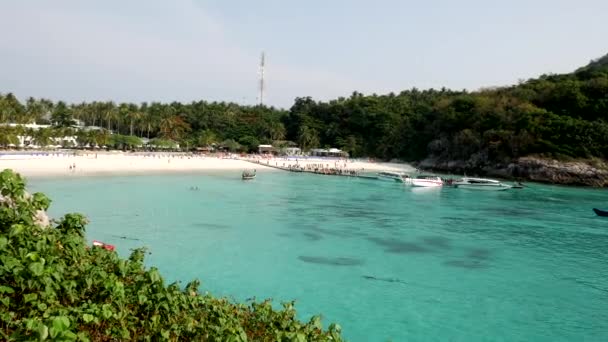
[150, 51]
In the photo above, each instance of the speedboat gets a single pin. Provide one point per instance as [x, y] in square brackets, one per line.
[480, 184]
[427, 181]
[394, 176]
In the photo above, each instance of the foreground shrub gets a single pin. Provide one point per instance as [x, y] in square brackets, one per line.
[54, 286]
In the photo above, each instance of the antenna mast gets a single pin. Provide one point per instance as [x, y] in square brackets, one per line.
[262, 62]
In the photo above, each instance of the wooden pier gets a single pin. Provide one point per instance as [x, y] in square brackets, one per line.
[324, 172]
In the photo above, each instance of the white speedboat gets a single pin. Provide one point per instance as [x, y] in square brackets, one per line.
[394, 176]
[427, 181]
[480, 184]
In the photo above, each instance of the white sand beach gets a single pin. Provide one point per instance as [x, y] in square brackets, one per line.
[84, 163]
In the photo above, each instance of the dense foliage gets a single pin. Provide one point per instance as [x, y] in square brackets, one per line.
[54, 286]
[557, 115]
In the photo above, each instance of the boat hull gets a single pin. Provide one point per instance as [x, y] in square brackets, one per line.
[600, 212]
[426, 183]
[489, 187]
[389, 179]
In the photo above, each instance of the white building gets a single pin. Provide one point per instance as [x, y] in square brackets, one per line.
[332, 152]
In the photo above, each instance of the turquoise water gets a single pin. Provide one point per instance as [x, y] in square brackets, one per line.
[385, 261]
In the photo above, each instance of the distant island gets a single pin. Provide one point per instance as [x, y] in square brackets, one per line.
[551, 129]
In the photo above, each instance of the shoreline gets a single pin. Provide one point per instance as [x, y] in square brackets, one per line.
[51, 164]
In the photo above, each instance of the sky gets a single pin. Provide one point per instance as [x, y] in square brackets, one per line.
[190, 50]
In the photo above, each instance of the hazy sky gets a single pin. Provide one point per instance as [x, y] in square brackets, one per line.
[184, 50]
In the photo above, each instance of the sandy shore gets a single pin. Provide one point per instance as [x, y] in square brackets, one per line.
[58, 164]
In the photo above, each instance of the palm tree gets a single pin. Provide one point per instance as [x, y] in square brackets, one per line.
[173, 127]
[102, 137]
[308, 137]
[12, 108]
[34, 110]
[47, 109]
[110, 114]
[8, 138]
[206, 138]
[276, 131]
[133, 115]
[42, 137]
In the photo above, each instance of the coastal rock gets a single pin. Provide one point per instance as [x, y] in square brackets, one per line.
[574, 173]
[586, 172]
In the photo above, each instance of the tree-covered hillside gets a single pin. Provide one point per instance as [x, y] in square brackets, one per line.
[554, 115]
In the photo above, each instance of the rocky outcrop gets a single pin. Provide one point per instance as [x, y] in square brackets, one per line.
[586, 172]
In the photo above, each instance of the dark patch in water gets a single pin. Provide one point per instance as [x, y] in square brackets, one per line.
[400, 247]
[510, 212]
[437, 242]
[126, 238]
[312, 236]
[211, 225]
[334, 232]
[331, 261]
[479, 254]
[284, 235]
[469, 264]
[585, 283]
[463, 219]
[388, 280]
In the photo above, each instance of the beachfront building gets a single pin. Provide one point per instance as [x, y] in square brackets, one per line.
[31, 126]
[331, 152]
[27, 141]
[291, 151]
[266, 149]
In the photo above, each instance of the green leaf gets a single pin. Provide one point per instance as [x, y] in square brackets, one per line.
[43, 332]
[29, 297]
[3, 242]
[6, 289]
[154, 276]
[316, 322]
[61, 323]
[82, 336]
[165, 334]
[16, 230]
[54, 332]
[106, 311]
[41, 201]
[6, 301]
[68, 336]
[37, 268]
[33, 256]
[88, 318]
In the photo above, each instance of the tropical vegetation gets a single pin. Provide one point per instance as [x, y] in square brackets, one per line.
[55, 286]
[559, 116]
